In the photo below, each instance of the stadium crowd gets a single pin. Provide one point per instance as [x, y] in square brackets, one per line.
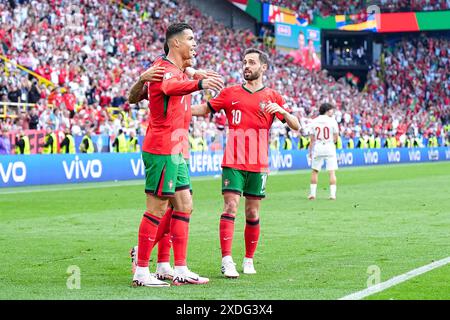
[413, 83]
[93, 51]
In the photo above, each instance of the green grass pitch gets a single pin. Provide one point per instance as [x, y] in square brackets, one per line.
[394, 217]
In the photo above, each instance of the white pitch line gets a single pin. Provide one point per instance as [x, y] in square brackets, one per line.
[396, 280]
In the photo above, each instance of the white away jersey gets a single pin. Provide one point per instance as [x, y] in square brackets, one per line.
[323, 128]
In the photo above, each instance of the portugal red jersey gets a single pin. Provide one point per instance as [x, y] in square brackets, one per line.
[170, 103]
[249, 126]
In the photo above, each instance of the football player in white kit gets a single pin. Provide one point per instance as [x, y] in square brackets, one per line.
[324, 134]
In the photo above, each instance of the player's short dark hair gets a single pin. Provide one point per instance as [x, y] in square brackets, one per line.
[166, 48]
[325, 107]
[263, 57]
[175, 29]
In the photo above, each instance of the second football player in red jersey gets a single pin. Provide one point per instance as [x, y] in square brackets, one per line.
[166, 172]
[251, 109]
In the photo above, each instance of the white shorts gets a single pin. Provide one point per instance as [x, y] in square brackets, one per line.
[317, 162]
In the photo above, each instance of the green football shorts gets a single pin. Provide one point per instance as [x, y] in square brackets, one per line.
[249, 184]
[165, 174]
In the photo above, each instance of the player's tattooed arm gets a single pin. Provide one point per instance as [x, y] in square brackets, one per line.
[137, 93]
[139, 90]
[200, 109]
[291, 120]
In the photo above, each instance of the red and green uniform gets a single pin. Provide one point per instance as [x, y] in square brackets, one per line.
[246, 159]
[163, 147]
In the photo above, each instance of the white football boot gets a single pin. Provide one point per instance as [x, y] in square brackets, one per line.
[164, 271]
[143, 278]
[229, 267]
[185, 276]
[248, 267]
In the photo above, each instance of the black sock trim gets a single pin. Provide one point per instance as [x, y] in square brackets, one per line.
[185, 219]
[151, 219]
[227, 217]
[252, 223]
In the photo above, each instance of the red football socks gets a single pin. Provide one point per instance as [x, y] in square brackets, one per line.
[226, 232]
[251, 235]
[147, 234]
[179, 233]
[163, 237]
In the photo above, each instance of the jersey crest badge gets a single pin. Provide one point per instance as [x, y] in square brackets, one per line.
[168, 75]
[263, 105]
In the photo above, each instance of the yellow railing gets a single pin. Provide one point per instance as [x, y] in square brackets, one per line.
[21, 107]
[40, 78]
[5, 108]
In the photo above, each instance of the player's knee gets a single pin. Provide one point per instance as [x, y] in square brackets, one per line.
[251, 213]
[231, 206]
[157, 211]
[187, 206]
[156, 206]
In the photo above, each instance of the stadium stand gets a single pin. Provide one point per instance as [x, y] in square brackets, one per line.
[92, 51]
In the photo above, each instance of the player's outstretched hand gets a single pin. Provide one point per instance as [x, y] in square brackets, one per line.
[152, 74]
[274, 108]
[213, 83]
[203, 74]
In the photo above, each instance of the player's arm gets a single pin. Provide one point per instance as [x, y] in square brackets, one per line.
[336, 132]
[200, 109]
[139, 90]
[177, 87]
[290, 119]
[137, 93]
[201, 74]
[312, 138]
[219, 102]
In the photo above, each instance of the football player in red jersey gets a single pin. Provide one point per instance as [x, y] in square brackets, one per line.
[167, 175]
[251, 109]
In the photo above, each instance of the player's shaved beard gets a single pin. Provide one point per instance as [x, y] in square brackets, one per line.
[253, 75]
